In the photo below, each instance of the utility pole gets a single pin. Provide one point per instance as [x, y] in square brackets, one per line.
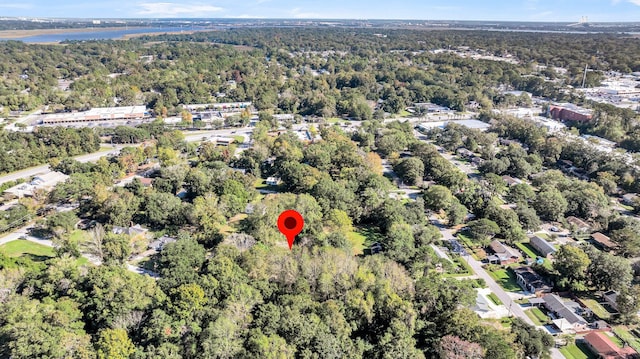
[584, 77]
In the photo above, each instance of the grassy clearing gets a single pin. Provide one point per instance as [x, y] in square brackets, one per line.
[22, 247]
[494, 298]
[596, 308]
[577, 351]
[357, 241]
[333, 120]
[506, 279]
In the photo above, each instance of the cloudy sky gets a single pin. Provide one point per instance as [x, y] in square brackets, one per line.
[518, 10]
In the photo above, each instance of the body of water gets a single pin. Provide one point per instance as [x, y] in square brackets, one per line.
[92, 34]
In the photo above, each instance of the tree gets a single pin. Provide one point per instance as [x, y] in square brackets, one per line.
[528, 217]
[452, 347]
[411, 170]
[399, 243]
[550, 204]
[180, 262]
[483, 229]
[628, 239]
[114, 344]
[520, 192]
[187, 117]
[628, 302]
[50, 329]
[609, 272]
[535, 343]
[62, 223]
[162, 209]
[456, 213]
[116, 248]
[571, 262]
[438, 197]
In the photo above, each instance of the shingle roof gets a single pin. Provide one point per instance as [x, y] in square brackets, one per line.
[606, 347]
[603, 240]
[558, 306]
[542, 245]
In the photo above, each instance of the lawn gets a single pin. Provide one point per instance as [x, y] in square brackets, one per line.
[577, 351]
[333, 119]
[357, 240]
[538, 317]
[596, 308]
[21, 247]
[494, 298]
[238, 139]
[363, 237]
[625, 335]
[506, 279]
[526, 248]
[78, 236]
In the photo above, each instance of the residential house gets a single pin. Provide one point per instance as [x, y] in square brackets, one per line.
[531, 281]
[503, 254]
[273, 181]
[146, 182]
[511, 181]
[630, 199]
[463, 152]
[578, 224]
[542, 246]
[569, 310]
[611, 297]
[476, 161]
[604, 348]
[159, 244]
[374, 249]
[603, 242]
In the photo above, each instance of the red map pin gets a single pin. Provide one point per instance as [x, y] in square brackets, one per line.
[290, 223]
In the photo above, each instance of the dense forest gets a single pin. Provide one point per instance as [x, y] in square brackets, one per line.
[228, 295]
[21, 150]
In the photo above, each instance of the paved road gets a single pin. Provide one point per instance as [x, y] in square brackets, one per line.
[30, 172]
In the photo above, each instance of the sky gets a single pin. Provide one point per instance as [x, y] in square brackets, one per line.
[502, 10]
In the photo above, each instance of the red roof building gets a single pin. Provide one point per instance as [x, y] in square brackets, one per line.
[604, 348]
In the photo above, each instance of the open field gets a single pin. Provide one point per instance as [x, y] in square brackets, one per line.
[21, 247]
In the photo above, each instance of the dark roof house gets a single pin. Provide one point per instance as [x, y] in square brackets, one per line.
[569, 310]
[132, 231]
[611, 297]
[159, 244]
[541, 245]
[531, 281]
[503, 254]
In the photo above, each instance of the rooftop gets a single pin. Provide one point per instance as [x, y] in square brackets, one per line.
[603, 240]
[606, 348]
